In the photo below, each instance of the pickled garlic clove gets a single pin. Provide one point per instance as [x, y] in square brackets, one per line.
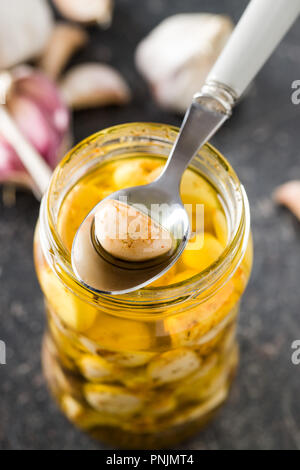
[200, 325]
[177, 55]
[89, 11]
[289, 195]
[130, 359]
[96, 369]
[155, 174]
[65, 40]
[56, 374]
[201, 251]
[112, 399]
[133, 173]
[220, 226]
[229, 338]
[172, 366]
[76, 205]
[162, 405]
[218, 380]
[189, 388]
[207, 367]
[135, 379]
[25, 28]
[71, 407]
[70, 310]
[194, 413]
[92, 84]
[128, 234]
[82, 416]
[195, 190]
[200, 201]
[119, 334]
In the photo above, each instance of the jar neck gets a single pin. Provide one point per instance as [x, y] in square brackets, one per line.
[146, 139]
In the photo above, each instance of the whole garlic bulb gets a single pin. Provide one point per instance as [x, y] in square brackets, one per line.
[176, 57]
[25, 28]
[37, 108]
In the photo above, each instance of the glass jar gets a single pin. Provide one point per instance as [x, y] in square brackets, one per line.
[149, 368]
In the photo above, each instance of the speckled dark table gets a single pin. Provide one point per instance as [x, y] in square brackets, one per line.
[262, 143]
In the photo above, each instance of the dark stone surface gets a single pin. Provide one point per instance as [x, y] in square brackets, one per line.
[262, 143]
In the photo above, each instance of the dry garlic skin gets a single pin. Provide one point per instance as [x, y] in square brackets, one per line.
[128, 234]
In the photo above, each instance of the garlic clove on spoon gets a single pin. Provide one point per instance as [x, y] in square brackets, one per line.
[87, 11]
[176, 57]
[65, 40]
[92, 84]
[25, 28]
[128, 234]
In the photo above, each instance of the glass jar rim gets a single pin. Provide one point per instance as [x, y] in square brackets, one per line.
[202, 285]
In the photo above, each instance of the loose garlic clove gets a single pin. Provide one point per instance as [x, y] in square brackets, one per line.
[289, 195]
[128, 234]
[91, 85]
[65, 40]
[25, 28]
[176, 57]
[89, 11]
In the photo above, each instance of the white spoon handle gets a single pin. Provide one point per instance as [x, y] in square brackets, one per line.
[259, 31]
[31, 159]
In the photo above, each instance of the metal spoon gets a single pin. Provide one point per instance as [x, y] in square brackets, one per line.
[250, 45]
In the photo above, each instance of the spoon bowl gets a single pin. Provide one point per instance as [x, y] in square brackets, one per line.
[106, 274]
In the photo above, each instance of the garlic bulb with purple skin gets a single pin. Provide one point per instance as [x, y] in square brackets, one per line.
[41, 115]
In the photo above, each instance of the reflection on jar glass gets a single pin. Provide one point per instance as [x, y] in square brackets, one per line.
[149, 368]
